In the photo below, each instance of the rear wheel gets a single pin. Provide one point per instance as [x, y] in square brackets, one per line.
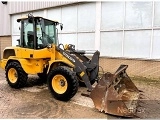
[62, 83]
[15, 75]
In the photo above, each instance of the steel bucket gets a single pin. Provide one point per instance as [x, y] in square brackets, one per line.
[116, 94]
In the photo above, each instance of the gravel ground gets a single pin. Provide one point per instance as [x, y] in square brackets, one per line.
[149, 106]
[35, 101]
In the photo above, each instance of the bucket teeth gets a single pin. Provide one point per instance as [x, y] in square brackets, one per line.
[116, 94]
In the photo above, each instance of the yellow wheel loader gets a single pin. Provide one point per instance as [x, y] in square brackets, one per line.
[64, 68]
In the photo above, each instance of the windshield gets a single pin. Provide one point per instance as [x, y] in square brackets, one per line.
[48, 33]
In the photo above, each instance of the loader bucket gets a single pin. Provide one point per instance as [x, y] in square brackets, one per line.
[116, 94]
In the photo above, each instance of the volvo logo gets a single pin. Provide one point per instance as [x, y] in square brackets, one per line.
[69, 57]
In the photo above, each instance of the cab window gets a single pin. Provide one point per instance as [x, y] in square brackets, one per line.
[28, 35]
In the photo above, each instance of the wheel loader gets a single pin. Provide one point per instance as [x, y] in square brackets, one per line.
[64, 68]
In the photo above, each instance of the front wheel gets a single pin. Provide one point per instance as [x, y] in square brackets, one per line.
[15, 75]
[62, 83]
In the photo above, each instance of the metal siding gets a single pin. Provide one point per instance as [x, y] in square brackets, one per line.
[156, 43]
[115, 10]
[14, 7]
[157, 14]
[22, 6]
[139, 22]
[111, 43]
[138, 15]
[69, 39]
[69, 14]
[86, 41]
[1, 19]
[86, 17]
[137, 44]
[4, 20]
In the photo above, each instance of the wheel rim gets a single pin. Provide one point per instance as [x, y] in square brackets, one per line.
[12, 75]
[59, 84]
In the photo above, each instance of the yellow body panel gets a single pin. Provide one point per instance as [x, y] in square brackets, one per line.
[57, 57]
[30, 66]
[16, 49]
[59, 61]
[26, 53]
[33, 66]
[42, 53]
[3, 63]
[34, 61]
[31, 53]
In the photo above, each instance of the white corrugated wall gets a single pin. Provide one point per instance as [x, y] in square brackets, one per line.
[23, 6]
[4, 20]
[14, 7]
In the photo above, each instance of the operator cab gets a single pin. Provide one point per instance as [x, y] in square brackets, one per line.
[37, 32]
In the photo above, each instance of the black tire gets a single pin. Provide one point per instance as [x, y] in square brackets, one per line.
[20, 75]
[70, 87]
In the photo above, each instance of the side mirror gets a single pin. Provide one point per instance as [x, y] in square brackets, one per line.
[18, 42]
[61, 26]
[30, 18]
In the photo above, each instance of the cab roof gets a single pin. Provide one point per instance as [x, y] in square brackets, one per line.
[25, 17]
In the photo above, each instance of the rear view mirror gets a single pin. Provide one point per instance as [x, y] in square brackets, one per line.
[30, 21]
[30, 18]
[61, 26]
[18, 40]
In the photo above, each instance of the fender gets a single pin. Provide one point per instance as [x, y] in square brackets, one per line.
[54, 63]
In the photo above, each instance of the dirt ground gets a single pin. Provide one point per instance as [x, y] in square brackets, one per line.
[149, 105]
[35, 101]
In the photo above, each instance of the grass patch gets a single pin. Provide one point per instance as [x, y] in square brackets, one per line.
[147, 81]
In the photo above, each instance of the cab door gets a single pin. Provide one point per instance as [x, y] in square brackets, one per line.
[26, 53]
[28, 34]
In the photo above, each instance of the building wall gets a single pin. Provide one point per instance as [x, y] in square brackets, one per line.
[130, 29]
[4, 20]
[79, 27]
[4, 42]
[15, 7]
[124, 32]
[116, 29]
[136, 67]
[24, 6]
